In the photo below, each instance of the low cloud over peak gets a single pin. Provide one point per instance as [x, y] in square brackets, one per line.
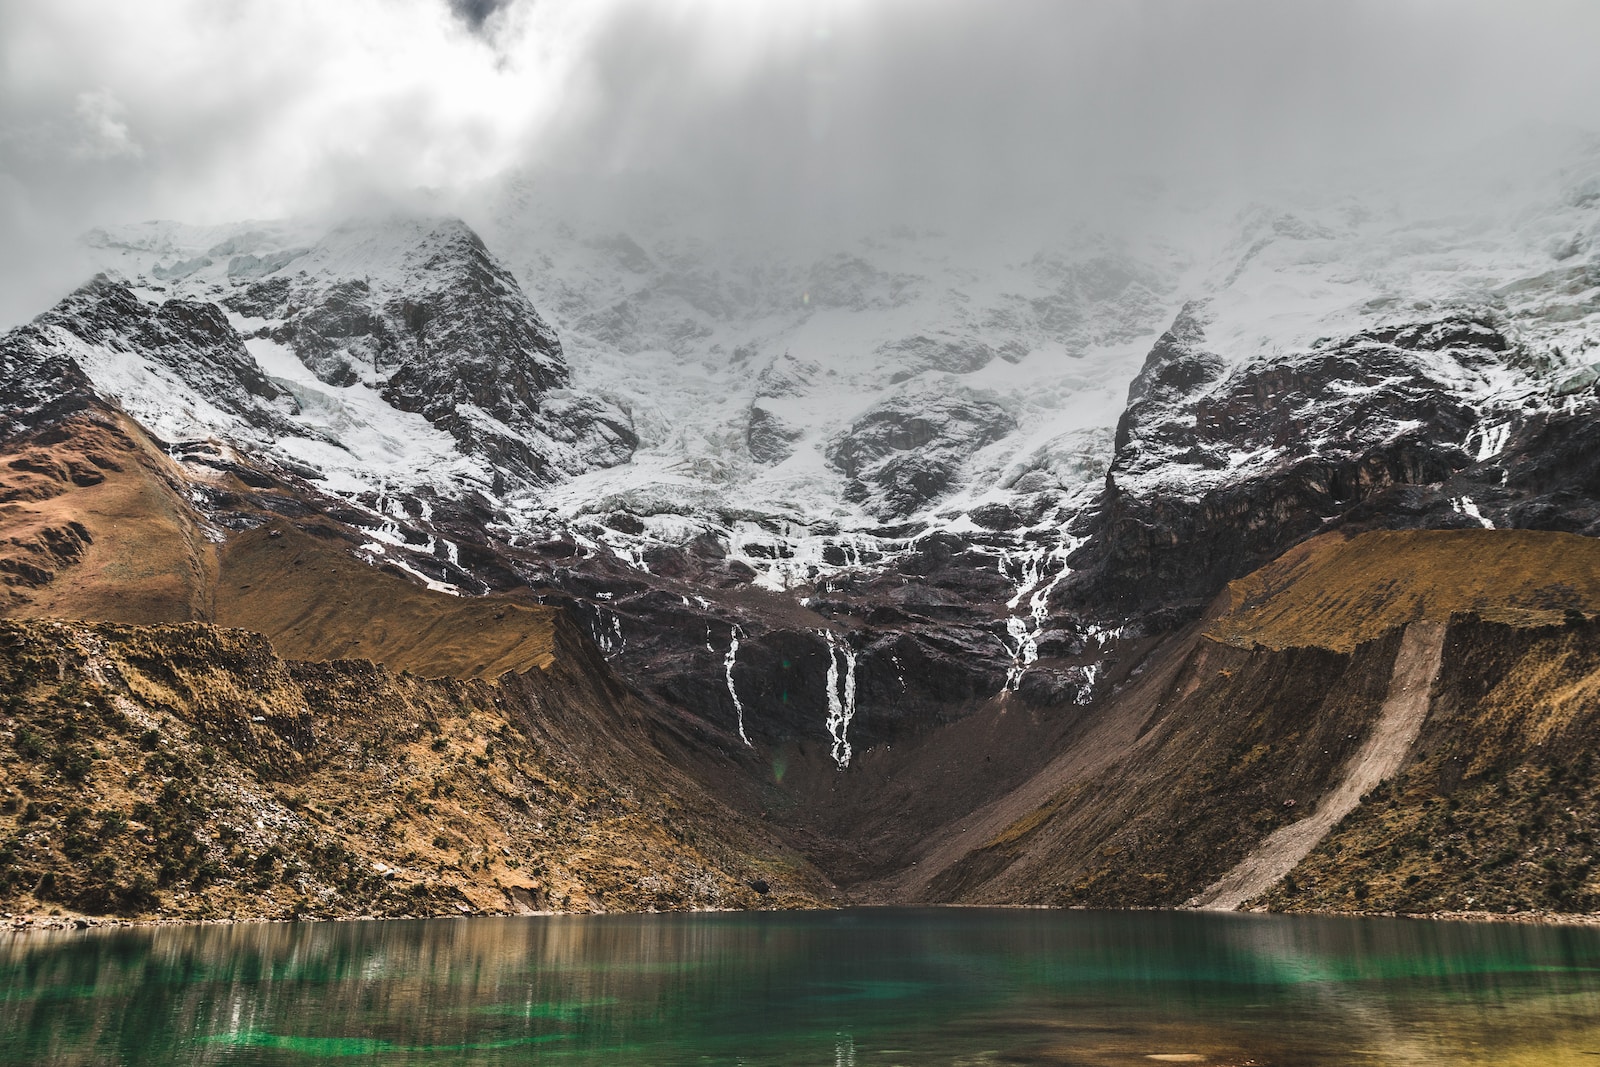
[787, 115]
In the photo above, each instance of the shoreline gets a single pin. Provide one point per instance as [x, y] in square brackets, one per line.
[23, 923]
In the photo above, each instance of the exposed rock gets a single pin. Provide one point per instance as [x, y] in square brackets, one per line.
[905, 452]
[441, 329]
[1217, 472]
[768, 435]
[42, 383]
[190, 340]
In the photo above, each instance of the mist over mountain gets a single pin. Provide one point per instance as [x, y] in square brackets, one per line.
[797, 122]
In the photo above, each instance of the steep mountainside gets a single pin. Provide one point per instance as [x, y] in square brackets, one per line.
[421, 753]
[397, 351]
[1494, 810]
[1250, 724]
[97, 524]
[919, 442]
[188, 771]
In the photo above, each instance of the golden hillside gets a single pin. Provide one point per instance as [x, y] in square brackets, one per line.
[94, 525]
[1338, 592]
[317, 601]
[187, 771]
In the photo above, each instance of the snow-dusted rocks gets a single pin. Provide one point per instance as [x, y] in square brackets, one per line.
[1190, 424]
[908, 450]
[402, 351]
[422, 313]
[1217, 470]
[113, 332]
[774, 428]
[743, 363]
[41, 381]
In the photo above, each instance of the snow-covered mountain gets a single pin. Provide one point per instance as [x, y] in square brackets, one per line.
[763, 393]
[400, 351]
[833, 494]
[923, 381]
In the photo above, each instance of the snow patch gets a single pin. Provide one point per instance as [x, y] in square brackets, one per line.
[377, 552]
[1464, 505]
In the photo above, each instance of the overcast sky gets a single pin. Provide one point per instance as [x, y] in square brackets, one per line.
[788, 111]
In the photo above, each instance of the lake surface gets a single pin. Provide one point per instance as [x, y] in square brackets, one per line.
[856, 988]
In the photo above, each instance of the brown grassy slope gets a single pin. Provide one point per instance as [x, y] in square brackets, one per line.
[187, 771]
[315, 600]
[1271, 701]
[626, 828]
[1336, 592]
[1499, 807]
[1233, 744]
[93, 524]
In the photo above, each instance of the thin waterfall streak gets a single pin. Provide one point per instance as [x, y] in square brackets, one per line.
[727, 666]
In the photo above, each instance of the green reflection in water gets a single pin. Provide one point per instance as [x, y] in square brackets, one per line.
[333, 1047]
[542, 1011]
[878, 990]
[835, 988]
[326, 1047]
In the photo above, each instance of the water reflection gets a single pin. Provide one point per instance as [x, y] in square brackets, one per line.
[863, 987]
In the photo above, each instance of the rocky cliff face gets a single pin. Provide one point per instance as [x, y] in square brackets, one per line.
[1444, 424]
[424, 315]
[347, 333]
[908, 450]
[1217, 472]
[965, 534]
[43, 383]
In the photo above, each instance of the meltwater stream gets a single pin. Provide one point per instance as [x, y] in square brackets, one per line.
[828, 988]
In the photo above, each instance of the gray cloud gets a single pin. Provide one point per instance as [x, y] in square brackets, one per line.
[790, 117]
[967, 110]
[476, 12]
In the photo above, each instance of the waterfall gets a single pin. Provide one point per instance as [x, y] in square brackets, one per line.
[841, 696]
[727, 667]
[1023, 630]
[607, 632]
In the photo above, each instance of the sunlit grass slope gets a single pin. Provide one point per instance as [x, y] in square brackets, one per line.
[1337, 592]
[93, 525]
[316, 601]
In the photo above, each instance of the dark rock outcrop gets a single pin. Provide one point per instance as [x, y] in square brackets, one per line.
[906, 452]
[1216, 473]
[768, 435]
[189, 339]
[442, 329]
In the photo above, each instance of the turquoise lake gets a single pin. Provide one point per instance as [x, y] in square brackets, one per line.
[857, 988]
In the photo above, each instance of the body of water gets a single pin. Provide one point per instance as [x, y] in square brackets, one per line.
[856, 988]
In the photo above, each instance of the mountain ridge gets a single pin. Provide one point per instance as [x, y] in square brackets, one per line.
[821, 519]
